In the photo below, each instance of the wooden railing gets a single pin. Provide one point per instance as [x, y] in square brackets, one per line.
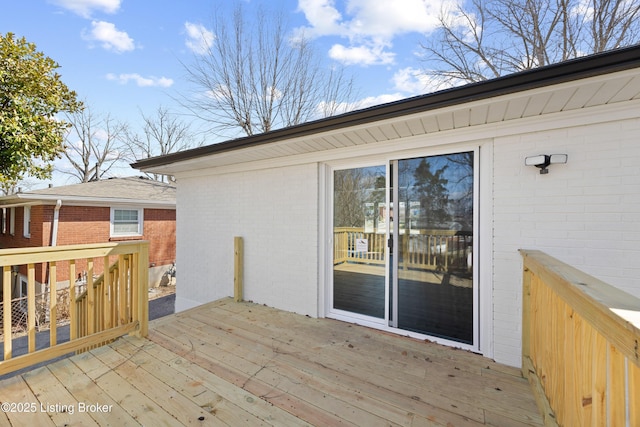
[580, 345]
[421, 249]
[345, 246]
[113, 304]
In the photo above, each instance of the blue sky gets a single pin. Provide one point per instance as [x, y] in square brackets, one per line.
[126, 56]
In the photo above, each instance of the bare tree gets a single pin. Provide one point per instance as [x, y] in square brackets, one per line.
[255, 77]
[491, 38]
[162, 134]
[93, 145]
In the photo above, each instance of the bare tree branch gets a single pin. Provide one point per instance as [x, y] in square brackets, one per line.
[256, 77]
[490, 38]
[162, 134]
[93, 145]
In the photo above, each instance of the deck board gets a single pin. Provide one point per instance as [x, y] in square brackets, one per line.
[339, 364]
[50, 393]
[227, 363]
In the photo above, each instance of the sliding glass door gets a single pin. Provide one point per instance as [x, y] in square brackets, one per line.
[434, 263]
[359, 240]
[403, 244]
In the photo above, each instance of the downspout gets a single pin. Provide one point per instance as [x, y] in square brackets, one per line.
[54, 226]
[54, 242]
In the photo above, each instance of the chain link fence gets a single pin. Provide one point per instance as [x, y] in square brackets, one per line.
[19, 310]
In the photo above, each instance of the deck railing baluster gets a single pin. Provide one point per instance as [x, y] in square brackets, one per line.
[100, 313]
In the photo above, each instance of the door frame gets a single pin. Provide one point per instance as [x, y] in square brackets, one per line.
[373, 322]
[482, 296]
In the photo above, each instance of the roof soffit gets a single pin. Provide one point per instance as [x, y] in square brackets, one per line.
[568, 96]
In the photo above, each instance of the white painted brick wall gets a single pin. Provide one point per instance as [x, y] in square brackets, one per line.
[275, 211]
[585, 213]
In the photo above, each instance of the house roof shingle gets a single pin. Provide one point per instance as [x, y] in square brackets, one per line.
[128, 191]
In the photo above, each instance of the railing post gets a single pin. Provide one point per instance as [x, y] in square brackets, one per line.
[73, 311]
[53, 303]
[106, 294]
[528, 368]
[6, 301]
[238, 267]
[91, 299]
[526, 319]
[31, 307]
[143, 289]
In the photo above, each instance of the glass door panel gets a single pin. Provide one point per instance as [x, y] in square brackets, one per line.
[434, 231]
[360, 217]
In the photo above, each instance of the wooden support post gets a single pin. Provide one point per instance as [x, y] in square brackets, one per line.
[526, 318]
[143, 289]
[6, 301]
[237, 268]
[53, 304]
[31, 307]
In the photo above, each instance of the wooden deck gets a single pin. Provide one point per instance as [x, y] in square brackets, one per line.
[227, 363]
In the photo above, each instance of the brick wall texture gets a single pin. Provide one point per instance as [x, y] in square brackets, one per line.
[84, 225]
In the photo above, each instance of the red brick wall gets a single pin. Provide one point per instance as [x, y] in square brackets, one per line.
[83, 225]
[160, 230]
[18, 240]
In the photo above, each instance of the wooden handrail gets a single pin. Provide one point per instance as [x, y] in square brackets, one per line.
[580, 345]
[113, 305]
[423, 248]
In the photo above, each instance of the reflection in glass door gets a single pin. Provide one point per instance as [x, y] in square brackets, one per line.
[359, 240]
[403, 239]
[434, 229]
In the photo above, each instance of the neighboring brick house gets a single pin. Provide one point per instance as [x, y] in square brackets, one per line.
[111, 210]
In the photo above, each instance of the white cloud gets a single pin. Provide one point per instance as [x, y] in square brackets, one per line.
[109, 37]
[370, 101]
[388, 19]
[140, 80]
[322, 16]
[85, 8]
[199, 38]
[369, 26]
[413, 81]
[362, 55]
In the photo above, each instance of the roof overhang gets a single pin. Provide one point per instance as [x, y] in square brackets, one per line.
[29, 199]
[602, 79]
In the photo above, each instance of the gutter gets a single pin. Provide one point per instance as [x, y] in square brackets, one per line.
[578, 68]
[33, 199]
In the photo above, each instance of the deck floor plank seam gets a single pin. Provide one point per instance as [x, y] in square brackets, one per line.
[334, 363]
[142, 408]
[409, 397]
[248, 364]
[54, 399]
[15, 392]
[200, 377]
[86, 390]
[298, 407]
[489, 388]
[249, 374]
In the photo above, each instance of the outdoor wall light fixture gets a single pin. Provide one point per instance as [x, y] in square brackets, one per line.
[543, 161]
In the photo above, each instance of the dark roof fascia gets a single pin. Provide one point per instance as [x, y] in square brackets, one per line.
[579, 68]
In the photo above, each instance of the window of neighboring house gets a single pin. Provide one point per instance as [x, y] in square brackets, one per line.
[12, 221]
[27, 221]
[126, 222]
